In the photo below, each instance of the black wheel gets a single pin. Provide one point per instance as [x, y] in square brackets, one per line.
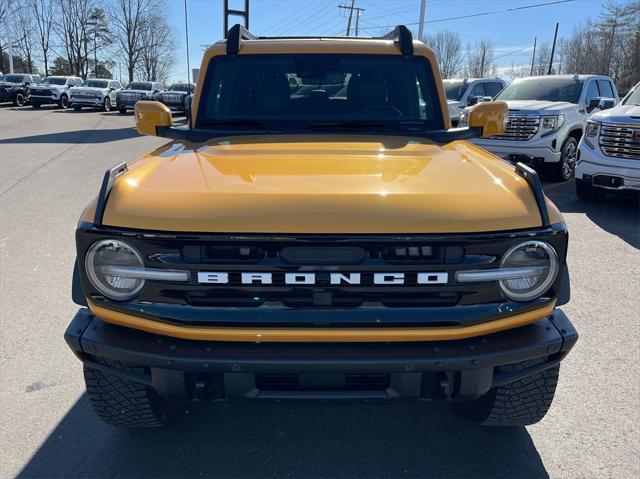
[587, 192]
[35, 104]
[64, 102]
[106, 106]
[565, 168]
[19, 100]
[121, 402]
[519, 403]
[122, 110]
[77, 108]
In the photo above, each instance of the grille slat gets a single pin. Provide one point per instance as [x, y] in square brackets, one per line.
[620, 140]
[520, 127]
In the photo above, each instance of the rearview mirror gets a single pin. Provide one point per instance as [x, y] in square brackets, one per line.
[151, 115]
[490, 116]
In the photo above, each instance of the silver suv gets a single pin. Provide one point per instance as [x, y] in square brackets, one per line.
[99, 93]
[53, 89]
[137, 90]
[464, 92]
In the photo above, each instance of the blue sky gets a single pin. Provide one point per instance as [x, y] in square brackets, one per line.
[512, 32]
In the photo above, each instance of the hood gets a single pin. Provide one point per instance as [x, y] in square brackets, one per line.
[47, 86]
[619, 114]
[321, 184]
[9, 84]
[539, 106]
[144, 92]
[87, 89]
[173, 92]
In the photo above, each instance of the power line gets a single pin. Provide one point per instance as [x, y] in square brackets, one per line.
[482, 14]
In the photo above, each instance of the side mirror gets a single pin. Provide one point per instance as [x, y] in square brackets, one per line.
[606, 103]
[473, 100]
[491, 117]
[486, 98]
[151, 115]
[593, 103]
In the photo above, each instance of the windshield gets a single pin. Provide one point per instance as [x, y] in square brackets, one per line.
[181, 87]
[55, 80]
[634, 97]
[544, 89]
[139, 86]
[95, 83]
[305, 89]
[454, 89]
[14, 78]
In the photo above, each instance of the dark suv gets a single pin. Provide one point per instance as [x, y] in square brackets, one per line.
[13, 88]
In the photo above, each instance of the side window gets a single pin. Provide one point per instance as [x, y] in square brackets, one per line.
[117, 85]
[492, 88]
[69, 82]
[78, 82]
[592, 92]
[605, 88]
[478, 90]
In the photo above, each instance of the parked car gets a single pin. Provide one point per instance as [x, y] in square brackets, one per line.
[609, 151]
[99, 93]
[464, 92]
[314, 246]
[547, 118]
[13, 88]
[53, 89]
[176, 96]
[136, 91]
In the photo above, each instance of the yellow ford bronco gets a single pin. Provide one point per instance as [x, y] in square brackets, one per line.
[319, 231]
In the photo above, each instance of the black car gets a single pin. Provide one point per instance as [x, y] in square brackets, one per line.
[175, 97]
[13, 88]
[136, 91]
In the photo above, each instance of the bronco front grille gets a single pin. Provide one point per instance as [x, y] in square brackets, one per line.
[620, 140]
[520, 127]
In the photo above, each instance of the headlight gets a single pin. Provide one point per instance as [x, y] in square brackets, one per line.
[535, 267]
[106, 256]
[552, 122]
[593, 127]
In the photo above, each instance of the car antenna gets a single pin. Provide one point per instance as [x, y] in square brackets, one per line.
[186, 33]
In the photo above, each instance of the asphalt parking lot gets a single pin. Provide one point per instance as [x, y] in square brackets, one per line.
[52, 163]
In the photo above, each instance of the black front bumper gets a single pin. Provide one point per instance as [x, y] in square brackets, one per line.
[458, 370]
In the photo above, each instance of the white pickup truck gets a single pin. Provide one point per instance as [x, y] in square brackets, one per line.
[609, 152]
[547, 118]
[464, 92]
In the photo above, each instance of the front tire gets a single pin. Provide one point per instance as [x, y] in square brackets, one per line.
[19, 100]
[120, 402]
[35, 104]
[77, 108]
[564, 170]
[106, 106]
[122, 110]
[64, 102]
[520, 403]
[588, 192]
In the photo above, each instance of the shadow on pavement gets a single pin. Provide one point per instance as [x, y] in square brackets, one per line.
[78, 136]
[289, 439]
[618, 214]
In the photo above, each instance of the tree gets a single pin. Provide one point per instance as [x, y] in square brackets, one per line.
[73, 29]
[43, 11]
[541, 60]
[480, 62]
[447, 47]
[128, 19]
[156, 58]
[23, 25]
[60, 66]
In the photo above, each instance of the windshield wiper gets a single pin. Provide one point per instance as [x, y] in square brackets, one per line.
[240, 122]
[354, 124]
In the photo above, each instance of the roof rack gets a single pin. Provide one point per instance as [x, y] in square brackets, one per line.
[401, 34]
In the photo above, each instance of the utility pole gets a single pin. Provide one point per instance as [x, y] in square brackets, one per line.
[533, 58]
[553, 48]
[423, 7]
[7, 26]
[484, 51]
[351, 8]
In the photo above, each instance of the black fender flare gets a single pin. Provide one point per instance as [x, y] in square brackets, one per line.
[77, 293]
